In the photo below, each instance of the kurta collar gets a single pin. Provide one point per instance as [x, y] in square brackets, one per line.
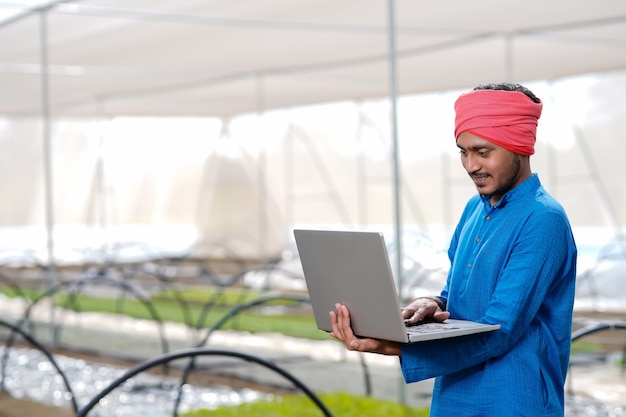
[528, 186]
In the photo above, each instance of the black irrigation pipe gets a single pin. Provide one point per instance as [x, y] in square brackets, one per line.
[48, 355]
[164, 281]
[165, 284]
[238, 309]
[78, 284]
[127, 287]
[593, 328]
[168, 285]
[193, 353]
[245, 306]
[265, 299]
[205, 269]
[232, 313]
[206, 308]
[609, 325]
[267, 267]
[17, 290]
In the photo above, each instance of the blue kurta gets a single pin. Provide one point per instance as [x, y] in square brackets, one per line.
[513, 264]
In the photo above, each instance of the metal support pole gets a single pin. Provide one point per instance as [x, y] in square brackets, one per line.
[47, 161]
[393, 97]
[262, 172]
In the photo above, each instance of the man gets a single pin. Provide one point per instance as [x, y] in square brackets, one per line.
[513, 262]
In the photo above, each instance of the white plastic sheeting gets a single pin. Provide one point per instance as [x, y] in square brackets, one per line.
[222, 58]
[243, 171]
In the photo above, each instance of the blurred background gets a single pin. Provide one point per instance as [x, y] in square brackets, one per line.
[201, 133]
[199, 127]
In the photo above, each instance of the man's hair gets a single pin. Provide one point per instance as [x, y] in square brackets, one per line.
[509, 87]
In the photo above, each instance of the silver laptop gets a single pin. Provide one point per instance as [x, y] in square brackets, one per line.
[352, 268]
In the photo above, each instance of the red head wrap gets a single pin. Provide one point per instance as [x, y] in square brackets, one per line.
[506, 118]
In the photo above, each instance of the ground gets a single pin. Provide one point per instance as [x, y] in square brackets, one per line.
[13, 407]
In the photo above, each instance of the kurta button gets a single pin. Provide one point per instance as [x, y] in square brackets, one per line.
[488, 217]
[477, 239]
[469, 265]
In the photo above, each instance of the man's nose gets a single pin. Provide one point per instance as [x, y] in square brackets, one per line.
[472, 163]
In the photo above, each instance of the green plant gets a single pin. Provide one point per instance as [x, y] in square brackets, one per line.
[339, 404]
[169, 309]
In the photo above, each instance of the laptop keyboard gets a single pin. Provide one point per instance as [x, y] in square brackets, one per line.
[429, 327]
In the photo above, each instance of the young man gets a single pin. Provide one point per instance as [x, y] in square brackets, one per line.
[513, 262]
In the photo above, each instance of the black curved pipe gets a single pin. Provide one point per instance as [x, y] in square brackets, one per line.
[48, 355]
[587, 330]
[176, 292]
[271, 297]
[245, 306]
[615, 325]
[268, 268]
[17, 290]
[193, 353]
[81, 282]
[238, 309]
[77, 284]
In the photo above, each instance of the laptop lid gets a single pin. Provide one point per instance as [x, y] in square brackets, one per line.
[352, 268]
